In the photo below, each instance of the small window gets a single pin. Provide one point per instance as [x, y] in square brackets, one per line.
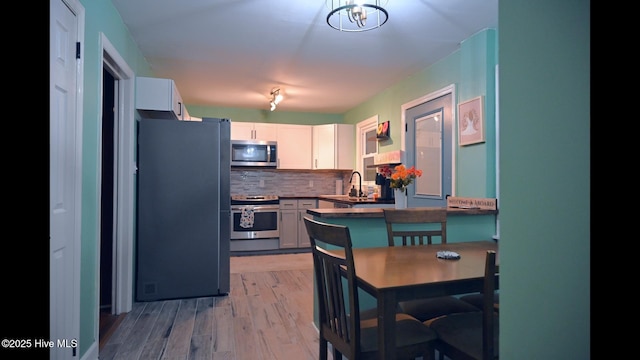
[367, 148]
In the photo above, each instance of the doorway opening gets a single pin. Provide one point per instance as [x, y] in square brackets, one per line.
[117, 167]
[108, 318]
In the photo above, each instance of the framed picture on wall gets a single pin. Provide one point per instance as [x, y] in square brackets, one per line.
[471, 122]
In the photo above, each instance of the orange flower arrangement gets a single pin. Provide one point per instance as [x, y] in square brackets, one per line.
[401, 177]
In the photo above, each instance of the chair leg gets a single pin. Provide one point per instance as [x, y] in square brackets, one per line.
[430, 354]
[323, 353]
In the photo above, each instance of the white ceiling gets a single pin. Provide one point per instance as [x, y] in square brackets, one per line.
[232, 53]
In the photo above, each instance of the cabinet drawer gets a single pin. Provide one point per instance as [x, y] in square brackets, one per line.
[288, 204]
[307, 204]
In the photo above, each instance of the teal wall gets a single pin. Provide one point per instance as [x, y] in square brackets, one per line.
[373, 232]
[472, 70]
[545, 179]
[475, 164]
[544, 160]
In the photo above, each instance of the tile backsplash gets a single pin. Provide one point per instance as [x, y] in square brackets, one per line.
[288, 182]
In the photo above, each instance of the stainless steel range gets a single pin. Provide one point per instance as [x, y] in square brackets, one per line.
[254, 222]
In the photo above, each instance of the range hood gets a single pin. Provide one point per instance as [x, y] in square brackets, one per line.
[389, 158]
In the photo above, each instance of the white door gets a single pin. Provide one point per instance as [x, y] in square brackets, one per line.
[64, 181]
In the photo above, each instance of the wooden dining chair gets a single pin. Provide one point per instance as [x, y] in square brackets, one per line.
[433, 219]
[432, 223]
[476, 300]
[472, 335]
[340, 323]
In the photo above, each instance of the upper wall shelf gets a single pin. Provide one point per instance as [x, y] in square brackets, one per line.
[392, 157]
[377, 166]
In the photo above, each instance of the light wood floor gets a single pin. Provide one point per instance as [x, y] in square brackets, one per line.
[267, 315]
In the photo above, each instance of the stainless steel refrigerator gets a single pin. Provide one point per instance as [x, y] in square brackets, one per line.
[183, 208]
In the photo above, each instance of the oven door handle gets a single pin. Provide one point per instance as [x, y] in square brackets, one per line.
[256, 208]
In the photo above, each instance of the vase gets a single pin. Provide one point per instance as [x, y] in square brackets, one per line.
[400, 198]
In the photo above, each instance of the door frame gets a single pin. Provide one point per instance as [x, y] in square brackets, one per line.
[449, 89]
[124, 190]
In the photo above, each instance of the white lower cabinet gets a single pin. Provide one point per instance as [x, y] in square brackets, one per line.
[293, 233]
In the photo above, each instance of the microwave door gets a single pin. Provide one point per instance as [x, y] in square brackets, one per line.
[253, 153]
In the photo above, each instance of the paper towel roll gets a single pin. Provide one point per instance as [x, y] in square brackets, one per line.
[339, 187]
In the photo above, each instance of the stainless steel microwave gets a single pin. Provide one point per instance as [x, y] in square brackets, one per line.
[254, 153]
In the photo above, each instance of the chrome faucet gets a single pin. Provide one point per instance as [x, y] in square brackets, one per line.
[359, 183]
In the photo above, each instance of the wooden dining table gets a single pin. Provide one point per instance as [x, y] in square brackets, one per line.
[398, 273]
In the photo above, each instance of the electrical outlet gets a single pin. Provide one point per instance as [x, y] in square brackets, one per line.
[310, 183]
[261, 182]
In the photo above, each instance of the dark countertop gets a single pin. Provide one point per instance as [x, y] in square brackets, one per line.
[346, 199]
[296, 197]
[377, 212]
[342, 199]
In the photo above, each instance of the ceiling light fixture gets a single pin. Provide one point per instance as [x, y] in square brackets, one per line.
[356, 15]
[276, 97]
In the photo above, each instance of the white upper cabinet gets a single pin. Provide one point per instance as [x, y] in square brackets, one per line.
[241, 130]
[333, 146]
[253, 131]
[266, 131]
[159, 98]
[294, 146]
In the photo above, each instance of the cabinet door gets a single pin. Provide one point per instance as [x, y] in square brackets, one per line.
[241, 130]
[160, 96]
[262, 131]
[303, 236]
[344, 146]
[294, 146]
[324, 146]
[288, 229]
[253, 131]
[288, 224]
[333, 146]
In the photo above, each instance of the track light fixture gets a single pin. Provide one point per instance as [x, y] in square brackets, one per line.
[352, 15]
[276, 97]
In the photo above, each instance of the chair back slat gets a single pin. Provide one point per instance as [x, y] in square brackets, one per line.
[422, 215]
